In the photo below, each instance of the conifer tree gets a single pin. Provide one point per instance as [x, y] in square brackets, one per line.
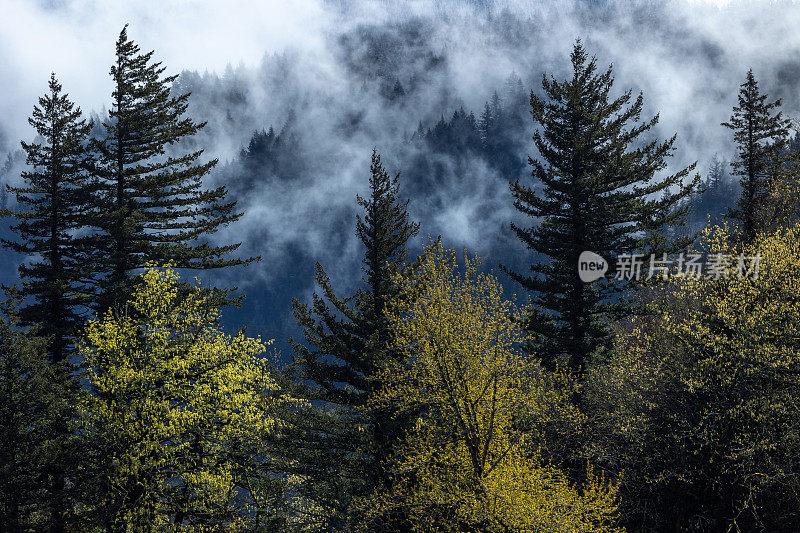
[30, 397]
[716, 173]
[346, 347]
[55, 196]
[598, 194]
[152, 205]
[715, 195]
[761, 135]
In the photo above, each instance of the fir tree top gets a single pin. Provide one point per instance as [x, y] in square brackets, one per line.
[761, 135]
[153, 205]
[594, 190]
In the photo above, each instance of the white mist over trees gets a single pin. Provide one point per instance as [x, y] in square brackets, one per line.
[336, 79]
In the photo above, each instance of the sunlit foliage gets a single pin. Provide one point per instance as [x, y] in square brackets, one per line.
[472, 461]
[703, 397]
[173, 399]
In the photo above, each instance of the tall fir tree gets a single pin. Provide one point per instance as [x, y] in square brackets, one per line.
[346, 347]
[152, 205]
[50, 225]
[56, 194]
[716, 173]
[761, 135]
[598, 193]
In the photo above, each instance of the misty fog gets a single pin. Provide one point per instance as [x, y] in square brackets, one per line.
[297, 95]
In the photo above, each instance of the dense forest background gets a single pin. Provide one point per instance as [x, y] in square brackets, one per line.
[441, 90]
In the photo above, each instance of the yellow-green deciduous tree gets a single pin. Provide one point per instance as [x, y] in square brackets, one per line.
[700, 405]
[474, 459]
[174, 401]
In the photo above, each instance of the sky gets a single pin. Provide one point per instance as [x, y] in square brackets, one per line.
[75, 38]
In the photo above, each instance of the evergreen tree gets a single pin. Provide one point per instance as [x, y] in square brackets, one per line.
[501, 124]
[598, 195]
[486, 124]
[346, 347]
[14, 160]
[30, 397]
[716, 194]
[152, 206]
[56, 193]
[716, 173]
[761, 135]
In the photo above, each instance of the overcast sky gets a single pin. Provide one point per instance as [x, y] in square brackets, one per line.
[75, 38]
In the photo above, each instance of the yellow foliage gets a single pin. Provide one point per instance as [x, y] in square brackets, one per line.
[473, 459]
[705, 391]
[745, 334]
[172, 400]
[782, 205]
